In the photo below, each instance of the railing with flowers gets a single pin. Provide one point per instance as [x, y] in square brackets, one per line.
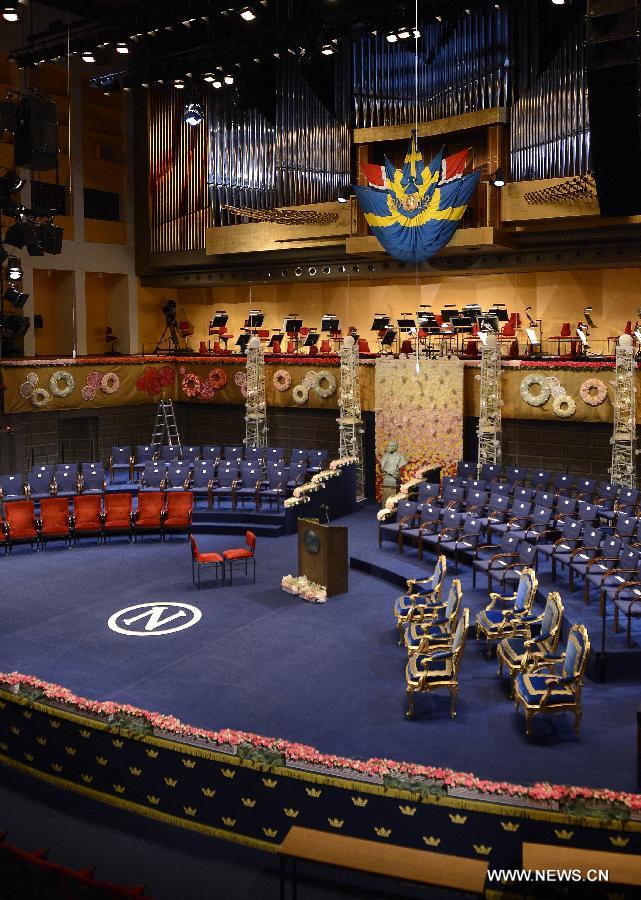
[389, 510]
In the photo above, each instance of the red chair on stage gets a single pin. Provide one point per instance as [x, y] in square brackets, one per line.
[471, 349]
[509, 329]
[406, 347]
[276, 347]
[242, 554]
[149, 514]
[199, 559]
[20, 519]
[178, 514]
[54, 520]
[117, 517]
[202, 348]
[86, 516]
[363, 346]
[325, 346]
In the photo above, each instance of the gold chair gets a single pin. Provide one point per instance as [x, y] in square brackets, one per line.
[540, 689]
[421, 594]
[436, 628]
[437, 668]
[503, 615]
[521, 649]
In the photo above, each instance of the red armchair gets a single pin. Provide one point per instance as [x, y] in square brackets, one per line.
[20, 518]
[199, 559]
[242, 554]
[117, 516]
[54, 520]
[178, 513]
[149, 515]
[87, 515]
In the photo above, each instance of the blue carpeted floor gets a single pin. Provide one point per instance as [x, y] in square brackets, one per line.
[260, 660]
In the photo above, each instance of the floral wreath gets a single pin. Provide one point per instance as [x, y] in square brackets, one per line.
[40, 396]
[61, 383]
[535, 399]
[110, 383]
[595, 385]
[207, 390]
[32, 378]
[311, 380]
[325, 392]
[27, 387]
[191, 384]
[217, 379]
[282, 380]
[564, 406]
[88, 392]
[300, 394]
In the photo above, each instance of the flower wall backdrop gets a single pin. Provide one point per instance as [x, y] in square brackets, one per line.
[423, 412]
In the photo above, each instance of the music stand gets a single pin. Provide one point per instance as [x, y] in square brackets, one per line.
[255, 319]
[311, 339]
[243, 340]
[276, 338]
[448, 312]
[500, 311]
[462, 323]
[473, 310]
[220, 319]
[406, 324]
[388, 338]
[380, 322]
[588, 317]
[330, 323]
[292, 324]
[489, 322]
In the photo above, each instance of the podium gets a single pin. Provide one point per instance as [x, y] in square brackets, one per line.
[322, 555]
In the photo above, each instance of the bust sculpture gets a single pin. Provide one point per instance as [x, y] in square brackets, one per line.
[391, 464]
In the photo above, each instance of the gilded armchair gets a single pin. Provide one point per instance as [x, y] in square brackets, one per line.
[437, 668]
[503, 615]
[522, 649]
[436, 629]
[421, 594]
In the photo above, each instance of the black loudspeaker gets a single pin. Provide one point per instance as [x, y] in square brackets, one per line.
[38, 321]
[613, 54]
[37, 133]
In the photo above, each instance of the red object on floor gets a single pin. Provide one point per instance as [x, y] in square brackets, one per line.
[86, 514]
[239, 554]
[148, 516]
[199, 559]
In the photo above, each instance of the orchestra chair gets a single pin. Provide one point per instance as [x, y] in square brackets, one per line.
[242, 554]
[86, 516]
[199, 559]
[117, 515]
[20, 523]
[148, 517]
[177, 518]
[54, 521]
[363, 346]
[325, 346]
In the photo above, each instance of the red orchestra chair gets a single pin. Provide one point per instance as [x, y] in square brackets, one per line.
[199, 559]
[117, 516]
[178, 514]
[242, 554]
[148, 517]
[87, 516]
[20, 522]
[54, 520]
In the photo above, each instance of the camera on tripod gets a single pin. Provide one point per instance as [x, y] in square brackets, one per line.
[169, 309]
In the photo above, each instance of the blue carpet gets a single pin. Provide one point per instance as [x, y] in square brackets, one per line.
[261, 660]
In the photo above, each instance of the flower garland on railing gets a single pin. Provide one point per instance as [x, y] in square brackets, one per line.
[413, 777]
[392, 502]
[301, 586]
[291, 502]
[345, 461]
[324, 476]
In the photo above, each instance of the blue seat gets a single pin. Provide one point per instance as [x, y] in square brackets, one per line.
[121, 460]
[203, 478]
[502, 617]
[170, 454]
[66, 482]
[463, 541]
[12, 487]
[211, 452]
[92, 480]
[190, 454]
[153, 476]
[233, 455]
[274, 485]
[437, 668]
[317, 460]
[299, 454]
[144, 455]
[422, 598]
[297, 475]
[225, 483]
[490, 559]
[255, 456]
[177, 476]
[525, 645]
[40, 483]
[406, 514]
[66, 467]
[249, 482]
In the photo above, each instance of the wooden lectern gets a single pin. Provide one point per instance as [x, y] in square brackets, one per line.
[322, 555]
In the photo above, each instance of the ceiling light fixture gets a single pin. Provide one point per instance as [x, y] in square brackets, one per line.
[11, 14]
[499, 178]
[88, 56]
[403, 34]
[392, 37]
[121, 47]
[247, 13]
[14, 268]
[229, 79]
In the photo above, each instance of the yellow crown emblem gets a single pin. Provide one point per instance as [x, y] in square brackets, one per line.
[360, 801]
[270, 832]
[14, 730]
[29, 757]
[56, 767]
[482, 849]
[102, 760]
[229, 822]
[228, 773]
[2, 704]
[407, 810]
[270, 782]
[134, 771]
[55, 723]
[562, 834]
[42, 741]
[248, 802]
[152, 754]
[458, 819]
[70, 751]
[86, 778]
[119, 788]
[291, 813]
[118, 744]
[619, 841]
[510, 826]
[189, 763]
[432, 841]
[190, 810]
[153, 800]
[27, 713]
[84, 733]
[313, 792]
[383, 832]
[336, 823]
[208, 792]
[171, 782]
[4, 746]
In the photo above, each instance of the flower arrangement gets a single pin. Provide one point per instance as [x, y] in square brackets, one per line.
[412, 774]
[324, 476]
[384, 514]
[61, 383]
[110, 383]
[217, 379]
[330, 381]
[153, 380]
[593, 392]
[191, 384]
[309, 488]
[564, 406]
[300, 393]
[345, 461]
[282, 380]
[408, 485]
[291, 502]
[301, 586]
[526, 390]
[40, 396]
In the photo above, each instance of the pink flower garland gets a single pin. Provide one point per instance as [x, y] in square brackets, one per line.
[300, 753]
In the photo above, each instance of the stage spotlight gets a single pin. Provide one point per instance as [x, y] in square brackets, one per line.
[14, 269]
[329, 49]
[345, 194]
[392, 37]
[247, 13]
[179, 83]
[403, 34]
[341, 269]
[193, 114]
[326, 270]
[298, 271]
[499, 178]
[209, 77]
[11, 183]
[16, 297]
[51, 236]
[312, 270]
[88, 56]
[217, 83]
[11, 14]
[122, 47]
[229, 79]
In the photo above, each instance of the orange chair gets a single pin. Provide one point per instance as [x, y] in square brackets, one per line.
[406, 347]
[54, 520]
[20, 517]
[178, 514]
[117, 516]
[149, 514]
[199, 559]
[509, 329]
[363, 346]
[325, 346]
[3, 539]
[276, 347]
[566, 330]
[238, 554]
[86, 516]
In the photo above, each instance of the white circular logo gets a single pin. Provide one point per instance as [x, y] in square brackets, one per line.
[151, 619]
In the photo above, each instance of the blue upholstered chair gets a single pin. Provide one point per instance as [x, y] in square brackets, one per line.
[502, 617]
[555, 683]
[225, 483]
[407, 513]
[92, 480]
[464, 540]
[144, 454]
[153, 476]
[203, 480]
[40, 482]
[491, 559]
[255, 456]
[211, 453]
[249, 483]
[522, 648]
[66, 482]
[422, 595]
[12, 487]
[437, 668]
[121, 460]
[437, 627]
[178, 476]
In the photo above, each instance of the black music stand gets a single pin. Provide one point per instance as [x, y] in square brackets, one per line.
[276, 338]
[489, 322]
[388, 338]
[255, 319]
[292, 325]
[500, 311]
[448, 313]
[311, 339]
[243, 340]
[380, 322]
[330, 323]
[220, 319]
